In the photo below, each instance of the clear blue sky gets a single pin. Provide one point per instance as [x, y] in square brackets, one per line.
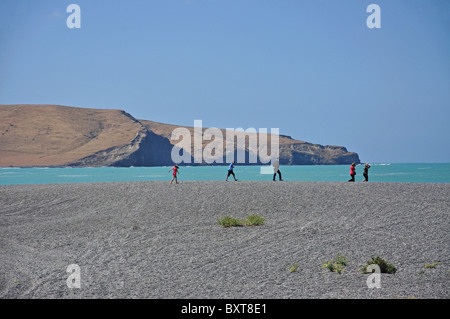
[311, 68]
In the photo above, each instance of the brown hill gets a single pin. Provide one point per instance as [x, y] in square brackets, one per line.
[56, 135]
[52, 135]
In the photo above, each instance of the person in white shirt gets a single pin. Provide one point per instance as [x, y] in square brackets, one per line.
[276, 169]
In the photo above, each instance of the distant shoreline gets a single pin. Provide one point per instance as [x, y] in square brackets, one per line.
[379, 172]
[217, 164]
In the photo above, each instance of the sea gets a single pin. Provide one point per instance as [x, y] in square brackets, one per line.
[379, 172]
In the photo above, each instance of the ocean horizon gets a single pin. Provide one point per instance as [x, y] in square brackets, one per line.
[379, 172]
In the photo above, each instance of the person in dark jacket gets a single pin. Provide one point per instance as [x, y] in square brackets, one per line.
[366, 172]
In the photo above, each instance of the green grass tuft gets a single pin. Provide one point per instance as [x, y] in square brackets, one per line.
[337, 265]
[255, 220]
[252, 220]
[229, 221]
[431, 266]
[293, 268]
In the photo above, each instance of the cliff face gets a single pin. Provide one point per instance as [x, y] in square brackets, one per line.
[315, 154]
[292, 152]
[50, 135]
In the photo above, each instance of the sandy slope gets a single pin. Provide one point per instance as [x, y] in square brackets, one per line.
[155, 240]
[46, 135]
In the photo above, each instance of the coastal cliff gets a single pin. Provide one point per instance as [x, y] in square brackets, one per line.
[53, 135]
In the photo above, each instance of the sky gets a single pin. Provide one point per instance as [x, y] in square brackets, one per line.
[312, 68]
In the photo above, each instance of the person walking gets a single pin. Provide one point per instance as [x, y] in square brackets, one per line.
[352, 172]
[231, 172]
[366, 172]
[175, 172]
[276, 169]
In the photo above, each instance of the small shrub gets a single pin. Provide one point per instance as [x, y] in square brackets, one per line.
[385, 267]
[333, 267]
[337, 265]
[341, 260]
[328, 265]
[228, 221]
[431, 266]
[293, 268]
[255, 220]
[252, 220]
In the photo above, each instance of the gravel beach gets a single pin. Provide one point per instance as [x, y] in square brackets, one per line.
[156, 240]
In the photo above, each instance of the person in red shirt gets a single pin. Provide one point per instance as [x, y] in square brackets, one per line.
[175, 172]
[352, 172]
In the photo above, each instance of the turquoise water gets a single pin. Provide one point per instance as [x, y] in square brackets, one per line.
[413, 173]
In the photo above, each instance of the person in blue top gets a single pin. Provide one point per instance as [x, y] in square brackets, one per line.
[230, 172]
